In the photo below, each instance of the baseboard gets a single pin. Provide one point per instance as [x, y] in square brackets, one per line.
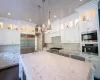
[8, 67]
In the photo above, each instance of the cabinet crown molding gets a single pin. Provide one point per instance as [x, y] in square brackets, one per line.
[89, 5]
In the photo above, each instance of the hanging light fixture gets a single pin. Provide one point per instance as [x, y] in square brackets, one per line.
[39, 27]
[49, 21]
[48, 27]
[43, 25]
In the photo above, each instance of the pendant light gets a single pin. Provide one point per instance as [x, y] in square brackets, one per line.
[49, 21]
[39, 27]
[43, 25]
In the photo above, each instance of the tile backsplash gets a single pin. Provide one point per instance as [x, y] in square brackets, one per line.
[67, 46]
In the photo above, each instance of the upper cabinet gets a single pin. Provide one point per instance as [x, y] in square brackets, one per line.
[88, 16]
[1, 25]
[55, 31]
[88, 21]
[9, 32]
[70, 29]
[28, 29]
[55, 26]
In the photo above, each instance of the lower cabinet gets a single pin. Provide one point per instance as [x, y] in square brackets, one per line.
[95, 60]
[7, 59]
[15, 37]
[9, 37]
[97, 68]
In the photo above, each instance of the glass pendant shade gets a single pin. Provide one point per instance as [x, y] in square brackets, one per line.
[39, 29]
[43, 27]
[49, 25]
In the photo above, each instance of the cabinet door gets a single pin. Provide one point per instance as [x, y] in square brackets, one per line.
[97, 68]
[92, 25]
[75, 34]
[83, 26]
[67, 35]
[1, 36]
[62, 33]
[86, 26]
[16, 37]
[7, 39]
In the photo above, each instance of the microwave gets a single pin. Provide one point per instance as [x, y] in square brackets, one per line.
[92, 36]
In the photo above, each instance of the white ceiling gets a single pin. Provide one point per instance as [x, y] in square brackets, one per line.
[27, 9]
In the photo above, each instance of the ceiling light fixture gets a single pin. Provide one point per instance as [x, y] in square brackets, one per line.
[81, 0]
[30, 20]
[55, 16]
[9, 14]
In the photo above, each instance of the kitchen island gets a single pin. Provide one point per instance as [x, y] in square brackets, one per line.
[47, 66]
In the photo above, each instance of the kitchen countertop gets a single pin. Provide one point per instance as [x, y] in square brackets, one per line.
[47, 66]
[86, 55]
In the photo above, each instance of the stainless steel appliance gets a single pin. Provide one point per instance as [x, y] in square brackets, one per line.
[90, 36]
[90, 48]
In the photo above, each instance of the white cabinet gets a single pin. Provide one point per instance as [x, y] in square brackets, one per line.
[62, 36]
[75, 34]
[70, 35]
[10, 32]
[9, 37]
[16, 37]
[1, 36]
[95, 60]
[87, 26]
[8, 59]
[97, 68]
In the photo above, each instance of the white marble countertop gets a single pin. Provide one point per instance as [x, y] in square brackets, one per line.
[46, 66]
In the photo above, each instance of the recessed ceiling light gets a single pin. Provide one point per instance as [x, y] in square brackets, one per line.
[30, 20]
[81, 0]
[55, 16]
[9, 13]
